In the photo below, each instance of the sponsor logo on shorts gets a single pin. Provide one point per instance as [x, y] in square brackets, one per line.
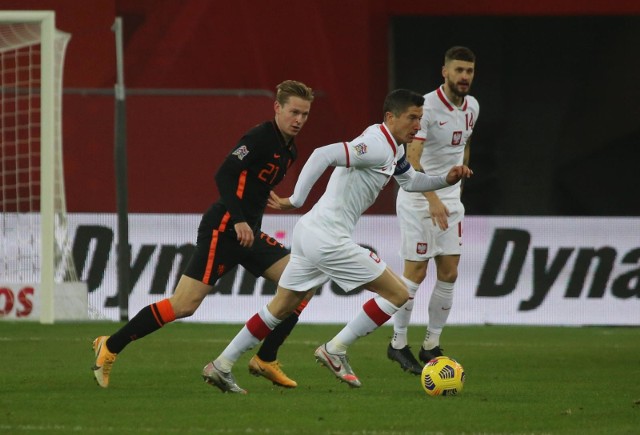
[421, 248]
[241, 152]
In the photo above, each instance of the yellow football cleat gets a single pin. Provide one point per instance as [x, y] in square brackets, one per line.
[104, 361]
[271, 371]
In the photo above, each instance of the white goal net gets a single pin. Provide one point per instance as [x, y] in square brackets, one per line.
[34, 244]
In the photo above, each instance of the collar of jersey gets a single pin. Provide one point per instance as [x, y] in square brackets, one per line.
[390, 139]
[446, 102]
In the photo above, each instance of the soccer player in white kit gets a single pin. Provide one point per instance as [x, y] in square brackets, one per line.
[322, 246]
[431, 223]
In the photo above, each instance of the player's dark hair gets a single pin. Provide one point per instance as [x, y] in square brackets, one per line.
[400, 100]
[292, 88]
[459, 52]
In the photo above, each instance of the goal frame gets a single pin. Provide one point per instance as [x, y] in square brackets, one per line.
[46, 22]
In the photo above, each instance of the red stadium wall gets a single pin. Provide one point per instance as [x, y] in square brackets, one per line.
[175, 143]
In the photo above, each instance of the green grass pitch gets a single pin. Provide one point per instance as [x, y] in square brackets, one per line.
[520, 380]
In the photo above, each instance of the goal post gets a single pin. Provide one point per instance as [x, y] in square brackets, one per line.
[36, 265]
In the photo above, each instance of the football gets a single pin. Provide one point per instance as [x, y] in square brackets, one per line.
[442, 376]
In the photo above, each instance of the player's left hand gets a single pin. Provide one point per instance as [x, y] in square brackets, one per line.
[278, 203]
[457, 173]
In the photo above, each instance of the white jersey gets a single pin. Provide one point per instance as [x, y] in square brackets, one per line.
[322, 247]
[445, 129]
[371, 162]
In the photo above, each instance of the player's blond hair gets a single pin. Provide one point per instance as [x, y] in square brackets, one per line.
[292, 88]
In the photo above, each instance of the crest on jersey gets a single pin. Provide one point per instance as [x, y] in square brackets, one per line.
[361, 149]
[241, 152]
[421, 248]
[456, 139]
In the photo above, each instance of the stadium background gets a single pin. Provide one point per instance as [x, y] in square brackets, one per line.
[544, 380]
[557, 81]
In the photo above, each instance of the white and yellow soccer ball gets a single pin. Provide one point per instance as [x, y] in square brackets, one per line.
[442, 376]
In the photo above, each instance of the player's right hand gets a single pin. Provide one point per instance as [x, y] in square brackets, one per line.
[439, 214]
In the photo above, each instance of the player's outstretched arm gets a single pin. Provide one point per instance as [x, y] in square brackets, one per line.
[318, 162]
[413, 181]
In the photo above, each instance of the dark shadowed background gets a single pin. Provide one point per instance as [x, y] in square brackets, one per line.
[557, 82]
[559, 125]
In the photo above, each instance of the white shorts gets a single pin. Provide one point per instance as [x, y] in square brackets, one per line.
[420, 238]
[316, 258]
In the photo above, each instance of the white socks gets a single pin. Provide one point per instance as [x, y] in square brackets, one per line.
[402, 318]
[261, 324]
[374, 313]
[439, 309]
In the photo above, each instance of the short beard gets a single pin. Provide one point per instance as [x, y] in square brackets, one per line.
[452, 88]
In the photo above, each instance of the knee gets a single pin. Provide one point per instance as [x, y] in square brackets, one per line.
[448, 275]
[417, 272]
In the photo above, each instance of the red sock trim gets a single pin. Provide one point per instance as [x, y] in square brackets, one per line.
[301, 307]
[257, 327]
[376, 314]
